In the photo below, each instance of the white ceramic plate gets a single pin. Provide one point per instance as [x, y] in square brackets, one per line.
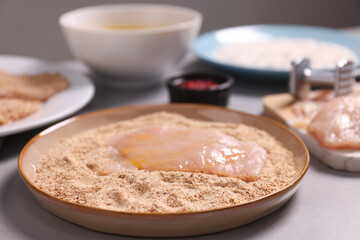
[63, 104]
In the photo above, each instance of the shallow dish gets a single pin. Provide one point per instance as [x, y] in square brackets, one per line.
[207, 43]
[59, 106]
[168, 224]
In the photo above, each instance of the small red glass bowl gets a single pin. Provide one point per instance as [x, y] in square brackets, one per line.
[207, 88]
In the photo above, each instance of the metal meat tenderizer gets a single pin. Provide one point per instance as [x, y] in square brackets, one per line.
[302, 77]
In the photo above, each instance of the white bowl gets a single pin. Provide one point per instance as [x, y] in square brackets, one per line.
[131, 57]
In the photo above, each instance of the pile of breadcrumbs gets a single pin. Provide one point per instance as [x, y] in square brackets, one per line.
[71, 171]
[22, 95]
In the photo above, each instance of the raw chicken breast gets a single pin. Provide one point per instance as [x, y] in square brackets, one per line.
[306, 109]
[337, 125]
[174, 148]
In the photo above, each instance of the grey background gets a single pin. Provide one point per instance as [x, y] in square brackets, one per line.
[29, 27]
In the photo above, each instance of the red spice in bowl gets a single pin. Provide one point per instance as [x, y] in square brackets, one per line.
[209, 88]
[199, 84]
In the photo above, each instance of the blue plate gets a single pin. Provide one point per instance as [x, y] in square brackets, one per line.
[207, 43]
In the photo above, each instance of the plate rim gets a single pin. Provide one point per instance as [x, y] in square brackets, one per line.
[102, 211]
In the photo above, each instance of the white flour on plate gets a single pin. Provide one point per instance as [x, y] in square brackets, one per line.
[277, 54]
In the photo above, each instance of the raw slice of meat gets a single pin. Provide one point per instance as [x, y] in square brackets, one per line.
[174, 148]
[337, 125]
[306, 109]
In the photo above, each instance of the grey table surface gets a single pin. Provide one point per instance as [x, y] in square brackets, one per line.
[326, 206]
